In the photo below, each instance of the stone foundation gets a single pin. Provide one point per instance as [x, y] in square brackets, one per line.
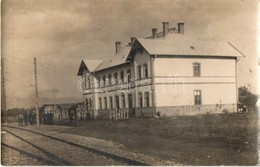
[144, 112]
[195, 110]
[170, 111]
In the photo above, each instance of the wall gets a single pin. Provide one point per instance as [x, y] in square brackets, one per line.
[183, 66]
[175, 83]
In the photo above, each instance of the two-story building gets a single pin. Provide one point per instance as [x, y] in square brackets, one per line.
[166, 74]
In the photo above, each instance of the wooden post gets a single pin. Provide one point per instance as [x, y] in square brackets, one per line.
[36, 93]
[127, 113]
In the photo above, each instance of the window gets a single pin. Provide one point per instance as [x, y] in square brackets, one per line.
[89, 85]
[123, 101]
[87, 104]
[111, 102]
[145, 71]
[140, 98]
[100, 103]
[196, 69]
[122, 76]
[146, 97]
[98, 82]
[104, 80]
[109, 79]
[197, 97]
[115, 78]
[130, 104]
[129, 75]
[117, 102]
[90, 104]
[105, 101]
[139, 72]
[85, 83]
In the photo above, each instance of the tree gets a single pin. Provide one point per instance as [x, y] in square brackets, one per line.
[247, 98]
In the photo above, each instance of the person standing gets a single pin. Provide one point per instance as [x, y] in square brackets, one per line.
[20, 119]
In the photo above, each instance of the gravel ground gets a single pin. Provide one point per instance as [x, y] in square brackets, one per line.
[26, 148]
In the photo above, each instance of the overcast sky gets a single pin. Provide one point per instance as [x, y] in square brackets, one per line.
[60, 33]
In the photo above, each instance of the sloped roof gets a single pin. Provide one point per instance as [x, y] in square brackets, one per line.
[172, 44]
[66, 105]
[90, 65]
[179, 44]
[117, 59]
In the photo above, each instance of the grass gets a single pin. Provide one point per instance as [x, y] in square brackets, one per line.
[231, 125]
[230, 137]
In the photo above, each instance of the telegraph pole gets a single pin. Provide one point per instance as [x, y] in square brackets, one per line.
[36, 93]
[3, 95]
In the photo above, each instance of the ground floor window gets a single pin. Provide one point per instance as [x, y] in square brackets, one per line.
[123, 101]
[140, 99]
[147, 99]
[117, 102]
[90, 104]
[197, 97]
[100, 103]
[105, 101]
[111, 102]
[130, 101]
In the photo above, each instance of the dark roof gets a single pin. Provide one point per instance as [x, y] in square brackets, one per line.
[66, 105]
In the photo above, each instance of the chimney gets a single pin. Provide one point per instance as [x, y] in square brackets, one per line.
[181, 28]
[118, 46]
[165, 28]
[154, 30]
[132, 40]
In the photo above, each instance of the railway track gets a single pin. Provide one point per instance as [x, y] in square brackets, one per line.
[47, 149]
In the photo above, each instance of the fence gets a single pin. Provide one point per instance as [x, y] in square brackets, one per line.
[119, 114]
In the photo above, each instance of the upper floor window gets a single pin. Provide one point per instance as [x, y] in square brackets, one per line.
[197, 97]
[104, 80]
[122, 76]
[196, 69]
[145, 71]
[139, 72]
[89, 84]
[129, 75]
[98, 81]
[115, 78]
[109, 79]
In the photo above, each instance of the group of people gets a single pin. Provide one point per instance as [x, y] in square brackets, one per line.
[47, 119]
[25, 119]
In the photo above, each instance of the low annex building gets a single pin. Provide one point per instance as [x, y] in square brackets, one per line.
[166, 74]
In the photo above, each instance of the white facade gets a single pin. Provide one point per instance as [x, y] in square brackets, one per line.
[163, 82]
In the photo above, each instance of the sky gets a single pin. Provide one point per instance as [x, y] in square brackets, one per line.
[60, 33]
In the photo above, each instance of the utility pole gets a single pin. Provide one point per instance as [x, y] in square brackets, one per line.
[36, 94]
[3, 95]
